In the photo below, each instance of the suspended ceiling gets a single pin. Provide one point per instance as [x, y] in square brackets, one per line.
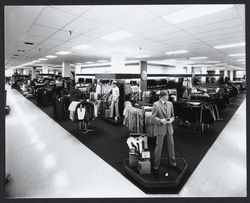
[60, 28]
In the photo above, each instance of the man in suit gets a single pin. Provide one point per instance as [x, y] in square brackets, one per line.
[163, 116]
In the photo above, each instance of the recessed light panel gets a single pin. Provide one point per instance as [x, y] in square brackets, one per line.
[198, 58]
[240, 54]
[176, 52]
[230, 45]
[82, 46]
[193, 12]
[51, 56]
[63, 53]
[119, 35]
[42, 59]
[213, 62]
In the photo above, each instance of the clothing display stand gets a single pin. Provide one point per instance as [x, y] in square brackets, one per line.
[168, 179]
[83, 127]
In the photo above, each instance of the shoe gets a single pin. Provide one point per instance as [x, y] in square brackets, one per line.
[177, 168]
[155, 172]
[116, 118]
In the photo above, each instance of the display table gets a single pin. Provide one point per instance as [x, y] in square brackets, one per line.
[149, 182]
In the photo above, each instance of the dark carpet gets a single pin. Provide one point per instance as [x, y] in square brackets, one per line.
[109, 142]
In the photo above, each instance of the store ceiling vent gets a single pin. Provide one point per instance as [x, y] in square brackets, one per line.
[29, 43]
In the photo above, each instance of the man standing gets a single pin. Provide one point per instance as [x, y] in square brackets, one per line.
[163, 116]
[115, 101]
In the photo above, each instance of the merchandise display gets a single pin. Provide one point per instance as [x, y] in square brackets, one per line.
[151, 106]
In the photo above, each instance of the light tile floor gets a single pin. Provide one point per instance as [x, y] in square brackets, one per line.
[45, 161]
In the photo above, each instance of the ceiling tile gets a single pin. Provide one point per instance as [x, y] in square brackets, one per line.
[53, 41]
[22, 13]
[161, 31]
[102, 14]
[220, 32]
[215, 26]
[74, 10]
[31, 38]
[41, 31]
[161, 10]
[208, 19]
[54, 18]
[134, 17]
[102, 31]
[81, 39]
[63, 35]
[81, 25]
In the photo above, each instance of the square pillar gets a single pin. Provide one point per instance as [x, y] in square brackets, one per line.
[143, 67]
[217, 71]
[78, 70]
[203, 71]
[33, 73]
[117, 62]
[45, 69]
[65, 70]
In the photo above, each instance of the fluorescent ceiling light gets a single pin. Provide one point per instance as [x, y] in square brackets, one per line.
[142, 56]
[89, 62]
[243, 60]
[51, 56]
[36, 61]
[230, 45]
[213, 62]
[193, 12]
[102, 61]
[42, 59]
[176, 52]
[197, 58]
[63, 52]
[78, 63]
[241, 54]
[82, 46]
[220, 64]
[117, 35]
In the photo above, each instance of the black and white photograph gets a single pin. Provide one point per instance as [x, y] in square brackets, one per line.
[125, 101]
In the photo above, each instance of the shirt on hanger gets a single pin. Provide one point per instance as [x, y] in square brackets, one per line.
[81, 113]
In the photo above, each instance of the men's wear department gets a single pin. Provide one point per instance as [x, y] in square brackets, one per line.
[151, 113]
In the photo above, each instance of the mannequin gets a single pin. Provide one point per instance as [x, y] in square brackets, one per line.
[115, 101]
[187, 85]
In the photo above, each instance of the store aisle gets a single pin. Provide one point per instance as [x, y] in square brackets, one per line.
[40, 166]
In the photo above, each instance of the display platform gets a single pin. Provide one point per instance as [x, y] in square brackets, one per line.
[113, 121]
[168, 179]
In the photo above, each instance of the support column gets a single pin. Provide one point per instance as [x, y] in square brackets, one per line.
[20, 71]
[231, 75]
[117, 62]
[189, 69]
[26, 71]
[203, 71]
[143, 68]
[217, 71]
[65, 70]
[179, 67]
[78, 70]
[45, 69]
[234, 74]
[33, 73]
